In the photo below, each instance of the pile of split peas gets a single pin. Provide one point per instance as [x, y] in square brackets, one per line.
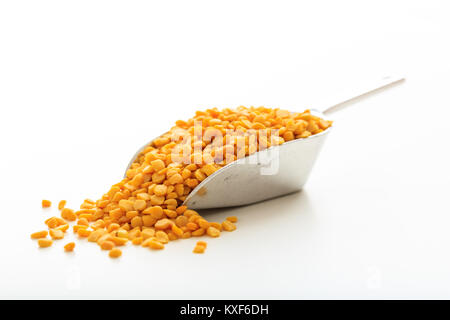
[145, 208]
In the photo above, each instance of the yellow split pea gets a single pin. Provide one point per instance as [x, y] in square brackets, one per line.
[115, 253]
[69, 247]
[39, 234]
[200, 247]
[46, 203]
[44, 243]
[146, 207]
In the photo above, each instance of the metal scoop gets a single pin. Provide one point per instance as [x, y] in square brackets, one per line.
[272, 172]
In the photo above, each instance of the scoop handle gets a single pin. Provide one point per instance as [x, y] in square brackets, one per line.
[367, 90]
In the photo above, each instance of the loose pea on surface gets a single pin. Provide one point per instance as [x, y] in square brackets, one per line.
[56, 234]
[77, 227]
[119, 241]
[199, 248]
[199, 232]
[137, 241]
[148, 233]
[62, 204]
[155, 244]
[46, 203]
[69, 247]
[115, 253]
[63, 227]
[107, 245]
[202, 243]
[162, 237]
[83, 222]
[213, 232]
[96, 234]
[228, 225]
[53, 222]
[44, 243]
[216, 225]
[68, 214]
[39, 234]
[84, 232]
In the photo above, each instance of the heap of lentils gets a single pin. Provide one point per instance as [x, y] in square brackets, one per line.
[146, 207]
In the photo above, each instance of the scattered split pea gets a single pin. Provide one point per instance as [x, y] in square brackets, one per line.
[68, 214]
[69, 247]
[228, 226]
[213, 232]
[39, 234]
[200, 247]
[62, 204]
[46, 203]
[56, 234]
[44, 243]
[155, 244]
[107, 245]
[115, 253]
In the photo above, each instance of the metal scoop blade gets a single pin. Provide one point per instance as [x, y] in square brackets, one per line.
[269, 173]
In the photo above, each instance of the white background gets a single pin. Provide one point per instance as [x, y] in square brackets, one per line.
[83, 84]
